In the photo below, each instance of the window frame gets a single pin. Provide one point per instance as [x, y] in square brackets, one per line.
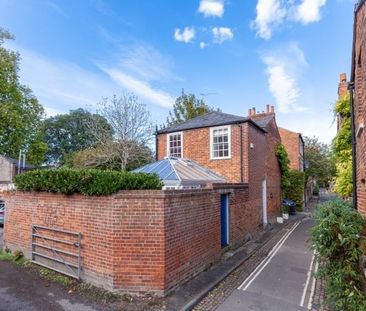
[212, 129]
[168, 143]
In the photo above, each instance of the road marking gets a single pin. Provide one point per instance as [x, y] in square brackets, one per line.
[307, 281]
[313, 286]
[266, 260]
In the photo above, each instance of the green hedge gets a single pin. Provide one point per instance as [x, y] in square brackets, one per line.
[85, 181]
[338, 241]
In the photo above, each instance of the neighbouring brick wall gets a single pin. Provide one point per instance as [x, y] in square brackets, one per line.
[273, 173]
[360, 105]
[137, 241]
[256, 165]
[291, 141]
[196, 146]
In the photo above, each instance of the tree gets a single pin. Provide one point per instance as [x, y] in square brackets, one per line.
[20, 112]
[342, 148]
[132, 130]
[68, 133]
[97, 157]
[187, 107]
[319, 160]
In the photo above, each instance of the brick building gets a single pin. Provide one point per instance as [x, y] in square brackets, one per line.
[239, 148]
[294, 145]
[8, 169]
[132, 241]
[358, 105]
[267, 120]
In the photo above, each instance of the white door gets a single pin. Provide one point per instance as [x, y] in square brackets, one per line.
[264, 201]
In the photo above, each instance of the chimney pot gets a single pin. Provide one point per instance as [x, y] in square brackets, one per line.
[267, 108]
[272, 109]
[343, 77]
[249, 112]
[254, 111]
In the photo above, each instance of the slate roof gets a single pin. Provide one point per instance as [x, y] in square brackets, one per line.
[16, 162]
[214, 118]
[263, 121]
[179, 172]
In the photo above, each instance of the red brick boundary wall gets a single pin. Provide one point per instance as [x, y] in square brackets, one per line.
[136, 241]
[359, 72]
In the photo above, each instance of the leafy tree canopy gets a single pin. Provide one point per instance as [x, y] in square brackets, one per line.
[320, 164]
[186, 107]
[132, 132]
[100, 157]
[20, 112]
[66, 134]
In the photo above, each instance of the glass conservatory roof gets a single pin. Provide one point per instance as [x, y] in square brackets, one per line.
[181, 172]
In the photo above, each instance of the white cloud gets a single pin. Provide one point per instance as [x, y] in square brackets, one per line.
[283, 70]
[222, 34]
[309, 11]
[61, 86]
[211, 8]
[186, 36]
[139, 87]
[270, 14]
[202, 45]
[56, 8]
[145, 62]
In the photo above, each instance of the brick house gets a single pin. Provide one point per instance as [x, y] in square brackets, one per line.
[294, 145]
[357, 87]
[239, 148]
[8, 169]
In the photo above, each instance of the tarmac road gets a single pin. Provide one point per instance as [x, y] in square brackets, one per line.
[283, 281]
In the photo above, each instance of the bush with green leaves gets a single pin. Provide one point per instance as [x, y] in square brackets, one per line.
[338, 241]
[85, 181]
[292, 181]
[295, 188]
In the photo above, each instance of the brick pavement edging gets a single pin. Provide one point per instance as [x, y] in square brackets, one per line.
[319, 295]
[218, 293]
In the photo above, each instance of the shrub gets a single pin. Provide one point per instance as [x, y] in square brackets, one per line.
[295, 188]
[338, 242]
[85, 181]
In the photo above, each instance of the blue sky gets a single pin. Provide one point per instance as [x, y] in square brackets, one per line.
[236, 54]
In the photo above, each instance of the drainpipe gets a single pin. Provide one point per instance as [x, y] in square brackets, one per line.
[156, 144]
[241, 153]
[351, 87]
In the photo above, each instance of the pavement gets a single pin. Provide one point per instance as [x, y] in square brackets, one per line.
[283, 281]
[244, 260]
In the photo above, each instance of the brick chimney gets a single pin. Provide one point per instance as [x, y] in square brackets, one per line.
[342, 86]
[342, 91]
[253, 113]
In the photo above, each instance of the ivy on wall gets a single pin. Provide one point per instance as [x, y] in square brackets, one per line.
[292, 181]
[342, 148]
